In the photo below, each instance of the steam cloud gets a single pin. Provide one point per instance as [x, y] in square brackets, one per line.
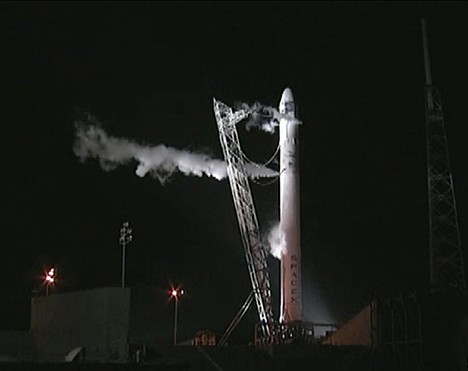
[275, 241]
[261, 117]
[159, 161]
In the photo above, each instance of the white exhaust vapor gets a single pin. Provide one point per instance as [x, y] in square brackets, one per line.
[275, 242]
[262, 117]
[159, 161]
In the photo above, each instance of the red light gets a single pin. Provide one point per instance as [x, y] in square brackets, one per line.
[174, 293]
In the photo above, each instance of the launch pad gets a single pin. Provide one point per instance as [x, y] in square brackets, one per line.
[289, 326]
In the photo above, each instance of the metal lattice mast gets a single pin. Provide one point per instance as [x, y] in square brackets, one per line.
[251, 238]
[445, 251]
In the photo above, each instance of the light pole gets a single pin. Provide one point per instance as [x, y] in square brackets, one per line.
[125, 239]
[49, 279]
[176, 294]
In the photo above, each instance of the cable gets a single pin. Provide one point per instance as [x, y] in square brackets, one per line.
[265, 184]
[264, 164]
[275, 179]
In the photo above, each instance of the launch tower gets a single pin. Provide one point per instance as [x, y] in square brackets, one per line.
[247, 218]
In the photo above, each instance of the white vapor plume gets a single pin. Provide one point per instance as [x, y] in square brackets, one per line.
[275, 241]
[262, 117]
[159, 161]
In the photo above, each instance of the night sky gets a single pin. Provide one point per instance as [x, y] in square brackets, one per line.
[148, 72]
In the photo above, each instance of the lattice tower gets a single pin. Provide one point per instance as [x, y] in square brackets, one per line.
[243, 201]
[445, 251]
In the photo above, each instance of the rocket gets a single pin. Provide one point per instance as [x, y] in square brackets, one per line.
[290, 222]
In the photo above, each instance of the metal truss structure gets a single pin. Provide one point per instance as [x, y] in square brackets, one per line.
[445, 251]
[397, 333]
[243, 201]
[242, 311]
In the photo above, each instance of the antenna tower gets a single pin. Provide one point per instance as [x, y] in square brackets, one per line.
[445, 251]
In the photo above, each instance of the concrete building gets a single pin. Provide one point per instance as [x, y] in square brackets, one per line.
[96, 320]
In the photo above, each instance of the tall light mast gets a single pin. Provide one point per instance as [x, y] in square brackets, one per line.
[125, 238]
[445, 251]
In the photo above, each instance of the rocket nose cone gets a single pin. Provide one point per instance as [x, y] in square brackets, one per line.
[287, 95]
[286, 104]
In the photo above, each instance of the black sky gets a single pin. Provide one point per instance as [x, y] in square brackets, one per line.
[148, 72]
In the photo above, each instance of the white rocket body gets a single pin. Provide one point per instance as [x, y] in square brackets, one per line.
[290, 221]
